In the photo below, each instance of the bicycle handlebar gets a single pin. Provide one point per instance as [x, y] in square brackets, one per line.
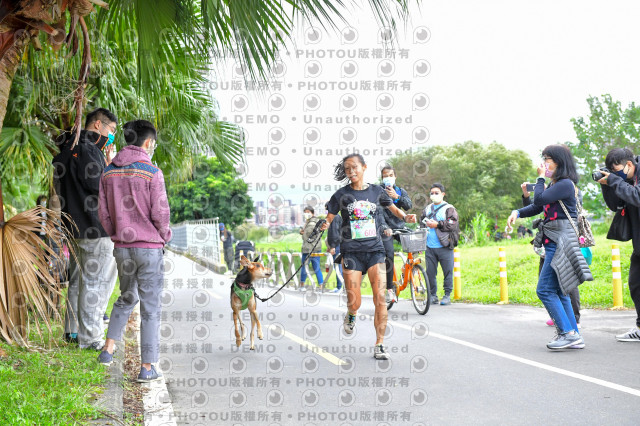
[401, 231]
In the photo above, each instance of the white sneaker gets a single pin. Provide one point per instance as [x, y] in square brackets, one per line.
[632, 335]
[349, 323]
[379, 352]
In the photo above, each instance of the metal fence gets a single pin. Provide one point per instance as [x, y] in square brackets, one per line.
[199, 238]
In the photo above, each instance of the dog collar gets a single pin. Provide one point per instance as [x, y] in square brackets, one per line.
[243, 286]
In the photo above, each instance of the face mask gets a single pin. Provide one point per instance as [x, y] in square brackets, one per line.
[621, 173]
[306, 216]
[389, 181]
[151, 150]
[436, 198]
[110, 138]
[548, 173]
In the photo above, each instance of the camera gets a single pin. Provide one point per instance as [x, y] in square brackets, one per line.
[597, 175]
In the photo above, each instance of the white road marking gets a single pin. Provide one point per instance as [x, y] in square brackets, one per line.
[214, 295]
[542, 366]
[315, 349]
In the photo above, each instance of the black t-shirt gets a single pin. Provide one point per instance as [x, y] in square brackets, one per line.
[362, 217]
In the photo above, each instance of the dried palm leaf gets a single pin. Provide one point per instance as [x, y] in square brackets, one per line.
[28, 282]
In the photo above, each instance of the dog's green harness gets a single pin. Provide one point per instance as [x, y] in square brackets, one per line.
[244, 293]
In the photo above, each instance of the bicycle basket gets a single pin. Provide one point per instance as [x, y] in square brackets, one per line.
[415, 241]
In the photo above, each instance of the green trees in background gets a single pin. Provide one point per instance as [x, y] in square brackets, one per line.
[214, 190]
[478, 178]
[149, 59]
[608, 126]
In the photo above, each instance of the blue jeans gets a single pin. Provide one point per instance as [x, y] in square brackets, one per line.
[315, 263]
[558, 305]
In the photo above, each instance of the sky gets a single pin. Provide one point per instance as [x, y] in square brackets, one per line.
[511, 72]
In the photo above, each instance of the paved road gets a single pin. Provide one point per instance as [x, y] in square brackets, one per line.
[459, 364]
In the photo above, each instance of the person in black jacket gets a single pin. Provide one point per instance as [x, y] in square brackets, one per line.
[620, 188]
[93, 271]
[402, 201]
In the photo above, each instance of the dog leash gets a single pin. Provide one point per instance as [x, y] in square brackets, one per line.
[313, 236]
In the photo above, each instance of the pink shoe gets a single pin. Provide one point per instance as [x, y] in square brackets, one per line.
[550, 322]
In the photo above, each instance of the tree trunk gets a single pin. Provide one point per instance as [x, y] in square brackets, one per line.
[12, 47]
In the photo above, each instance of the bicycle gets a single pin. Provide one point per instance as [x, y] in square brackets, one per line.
[412, 271]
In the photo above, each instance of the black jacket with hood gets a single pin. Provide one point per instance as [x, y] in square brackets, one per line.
[620, 192]
[77, 175]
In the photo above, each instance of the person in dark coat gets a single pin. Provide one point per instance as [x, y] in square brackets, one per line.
[93, 272]
[227, 245]
[620, 189]
[402, 201]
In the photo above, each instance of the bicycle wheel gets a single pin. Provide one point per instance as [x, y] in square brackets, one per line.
[391, 303]
[420, 289]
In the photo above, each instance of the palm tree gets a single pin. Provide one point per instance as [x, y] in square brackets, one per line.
[160, 75]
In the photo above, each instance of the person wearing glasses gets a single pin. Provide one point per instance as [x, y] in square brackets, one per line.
[92, 271]
[564, 266]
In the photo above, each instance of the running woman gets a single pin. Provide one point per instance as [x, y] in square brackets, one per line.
[360, 206]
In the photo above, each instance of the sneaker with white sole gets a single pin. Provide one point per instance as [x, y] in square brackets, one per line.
[147, 376]
[380, 352]
[349, 323]
[632, 335]
[390, 296]
[105, 358]
[565, 341]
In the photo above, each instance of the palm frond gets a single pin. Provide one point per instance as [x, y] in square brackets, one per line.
[28, 284]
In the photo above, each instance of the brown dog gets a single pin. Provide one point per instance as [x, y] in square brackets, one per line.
[243, 297]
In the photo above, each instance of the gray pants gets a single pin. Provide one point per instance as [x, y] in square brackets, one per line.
[141, 273]
[444, 256]
[91, 282]
[229, 257]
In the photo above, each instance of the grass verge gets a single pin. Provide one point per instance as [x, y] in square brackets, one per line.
[51, 383]
[480, 268]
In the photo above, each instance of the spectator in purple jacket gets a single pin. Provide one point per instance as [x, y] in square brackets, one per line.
[134, 211]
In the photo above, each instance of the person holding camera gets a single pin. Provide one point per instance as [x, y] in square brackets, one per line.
[402, 201]
[619, 183]
[564, 265]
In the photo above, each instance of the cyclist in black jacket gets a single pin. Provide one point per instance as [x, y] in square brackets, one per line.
[402, 201]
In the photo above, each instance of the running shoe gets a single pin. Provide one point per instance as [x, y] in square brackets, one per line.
[632, 335]
[380, 352]
[446, 300]
[390, 296]
[434, 300]
[105, 318]
[147, 376]
[105, 358]
[335, 290]
[565, 341]
[349, 323]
